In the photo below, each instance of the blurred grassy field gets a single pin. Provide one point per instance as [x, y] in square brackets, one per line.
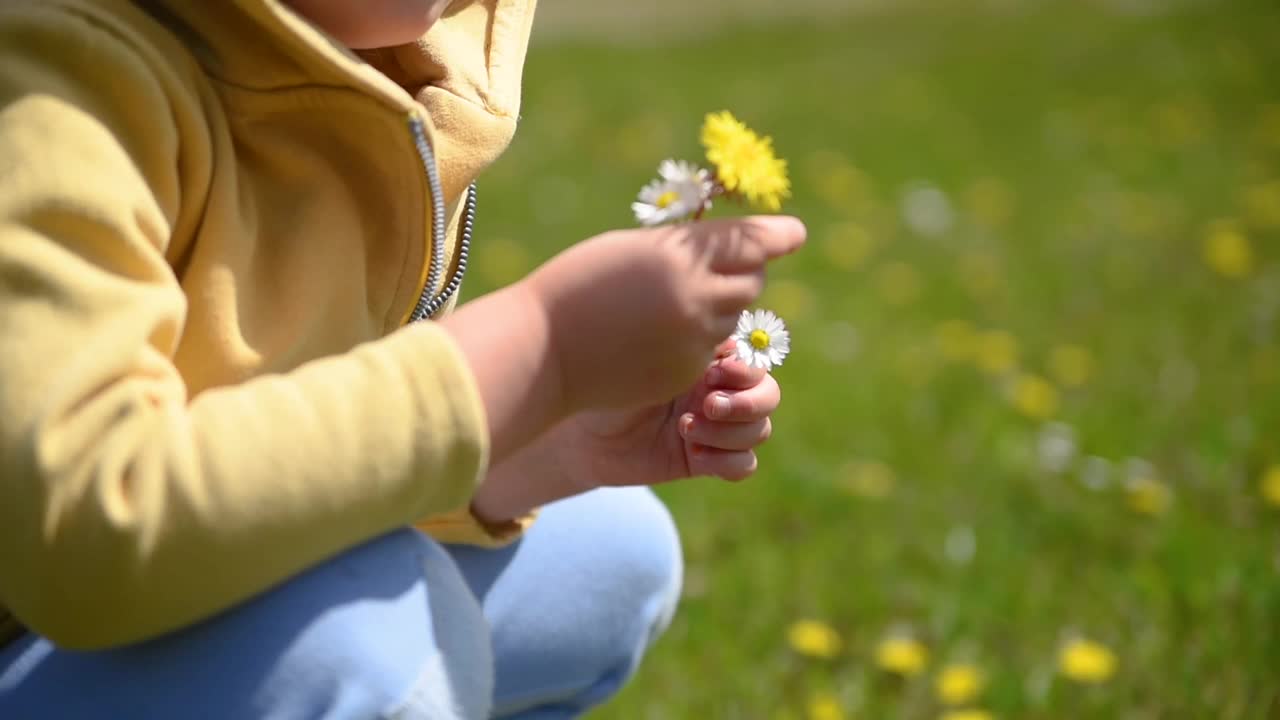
[1033, 388]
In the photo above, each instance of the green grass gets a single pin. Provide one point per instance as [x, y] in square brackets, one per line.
[1085, 155]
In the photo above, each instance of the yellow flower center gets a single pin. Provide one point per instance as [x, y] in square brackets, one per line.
[665, 199]
[759, 339]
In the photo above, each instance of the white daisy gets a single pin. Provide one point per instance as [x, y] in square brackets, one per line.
[762, 339]
[681, 190]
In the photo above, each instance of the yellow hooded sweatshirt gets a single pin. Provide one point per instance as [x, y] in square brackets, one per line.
[215, 222]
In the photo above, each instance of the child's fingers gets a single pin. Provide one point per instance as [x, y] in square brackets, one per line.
[730, 373]
[726, 349]
[749, 405]
[742, 245]
[727, 464]
[725, 436]
[733, 293]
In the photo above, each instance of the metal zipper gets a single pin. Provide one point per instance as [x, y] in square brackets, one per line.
[430, 302]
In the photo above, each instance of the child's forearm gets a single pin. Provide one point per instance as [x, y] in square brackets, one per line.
[506, 339]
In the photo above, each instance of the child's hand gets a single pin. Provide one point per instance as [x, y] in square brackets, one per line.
[726, 417]
[689, 436]
[635, 315]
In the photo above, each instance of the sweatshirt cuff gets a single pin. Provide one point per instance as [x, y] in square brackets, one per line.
[464, 528]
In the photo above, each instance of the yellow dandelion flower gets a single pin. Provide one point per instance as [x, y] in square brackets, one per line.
[1086, 661]
[1227, 251]
[847, 246]
[970, 714]
[899, 283]
[815, 639]
[1034, 396]
[745, 163]
[956, 340]
[996, 352]
[1070, 365]
[959, 684]
[825, 706]
[902, 656]
[1148, 496]
[867, 478]
[1270, 485]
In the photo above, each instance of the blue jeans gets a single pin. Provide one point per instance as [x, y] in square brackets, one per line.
[400, 627]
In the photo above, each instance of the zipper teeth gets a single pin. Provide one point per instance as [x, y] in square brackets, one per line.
[427, 305]
[437, 215]
[464, 249]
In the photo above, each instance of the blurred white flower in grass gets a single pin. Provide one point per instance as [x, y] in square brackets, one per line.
[1148, 496]
[1056, 447]
[927, 210]
[1095, 473]
[839, 342]
[681, 190]
[960, 545]
[762, 339]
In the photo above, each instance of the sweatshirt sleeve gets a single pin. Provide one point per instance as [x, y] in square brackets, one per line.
[128, 509]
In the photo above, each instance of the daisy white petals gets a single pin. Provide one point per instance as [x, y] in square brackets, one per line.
[761, 339]
[681, 190]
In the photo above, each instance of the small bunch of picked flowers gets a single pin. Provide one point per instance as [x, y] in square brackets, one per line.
[742, 166]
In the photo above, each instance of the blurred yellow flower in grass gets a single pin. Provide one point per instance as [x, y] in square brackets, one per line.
[813, 638]
[1269, 486]
[867, 478]
[996, 352]
[1262, 204]
[745, 162]
[990, 201]
[979, 274]
[1034, 396]
[898, 283]
[1179, 124]
[848, 245]
[1070, 365]
[825, 706]
[790, 299]
[902, 656]
[1148, 496]
[1086, 661]
[956, 340]
[1227, 251]
[959, 684]
[970, 714]
[1267, 131]
[507, 263]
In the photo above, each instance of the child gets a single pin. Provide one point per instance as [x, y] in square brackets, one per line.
[231, 235]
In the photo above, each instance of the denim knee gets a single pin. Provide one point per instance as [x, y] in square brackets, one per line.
[386, 629]
[576, 604]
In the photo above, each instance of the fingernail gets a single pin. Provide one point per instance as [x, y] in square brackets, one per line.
[686, 424]
[719, 405]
